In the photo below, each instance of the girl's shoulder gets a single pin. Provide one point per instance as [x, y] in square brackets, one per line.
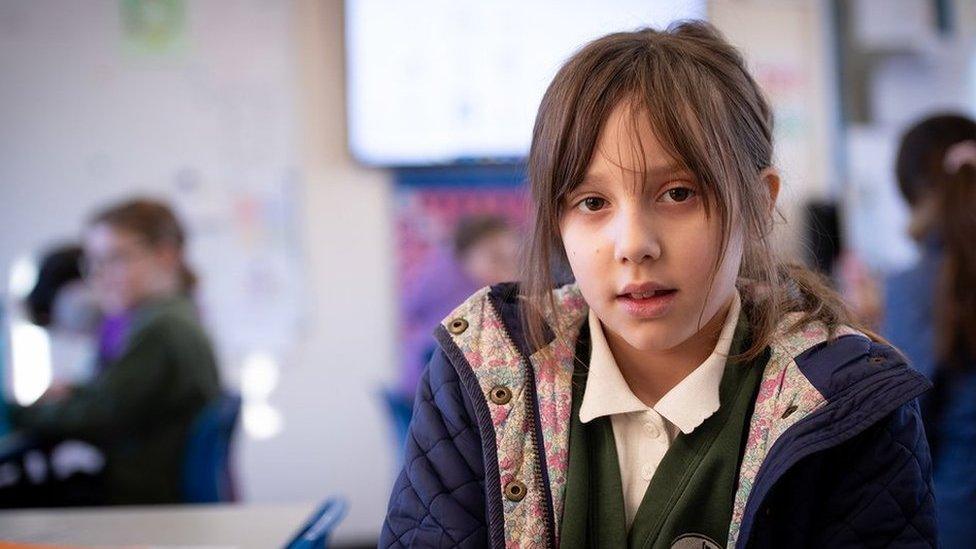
[831, 362]
[841, 380]
[170, 322]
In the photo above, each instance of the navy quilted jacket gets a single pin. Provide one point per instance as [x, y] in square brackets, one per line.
[854, 473]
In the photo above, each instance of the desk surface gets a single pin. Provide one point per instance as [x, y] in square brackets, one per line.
[242, 526]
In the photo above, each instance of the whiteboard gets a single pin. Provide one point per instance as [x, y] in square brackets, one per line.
[435, 81]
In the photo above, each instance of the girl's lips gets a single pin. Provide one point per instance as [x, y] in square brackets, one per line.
[654, 306]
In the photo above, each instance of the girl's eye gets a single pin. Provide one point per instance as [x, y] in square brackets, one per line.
[678, 194]
[592, 204]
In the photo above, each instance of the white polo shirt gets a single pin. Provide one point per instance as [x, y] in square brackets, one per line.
[643, 434]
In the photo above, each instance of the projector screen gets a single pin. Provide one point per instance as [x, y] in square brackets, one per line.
[443, 81]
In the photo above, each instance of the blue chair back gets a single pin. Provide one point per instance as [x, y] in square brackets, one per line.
[315, 533]
[399, 409]
[207, 474]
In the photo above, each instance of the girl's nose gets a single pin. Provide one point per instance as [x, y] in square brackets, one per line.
[635, 238]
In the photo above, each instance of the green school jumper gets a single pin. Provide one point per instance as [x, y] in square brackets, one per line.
[139, 409]
[689, 500]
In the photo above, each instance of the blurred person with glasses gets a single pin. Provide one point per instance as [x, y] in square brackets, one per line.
[156, 365]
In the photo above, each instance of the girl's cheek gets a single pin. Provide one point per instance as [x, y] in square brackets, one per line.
[698, 234]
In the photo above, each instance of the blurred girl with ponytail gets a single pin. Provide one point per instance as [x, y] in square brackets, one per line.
[931, 307]
[157, 366]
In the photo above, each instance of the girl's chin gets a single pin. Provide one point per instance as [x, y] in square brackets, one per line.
[653, 341]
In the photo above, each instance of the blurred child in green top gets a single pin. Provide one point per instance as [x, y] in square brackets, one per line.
[139, 408]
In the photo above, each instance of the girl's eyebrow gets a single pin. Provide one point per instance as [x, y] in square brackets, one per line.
[665, 171]
[591, 179]
[653, 173]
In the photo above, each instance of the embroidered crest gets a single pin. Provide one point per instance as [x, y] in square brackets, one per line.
[695, 541]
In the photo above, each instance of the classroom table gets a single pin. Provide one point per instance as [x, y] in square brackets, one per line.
[223, 525]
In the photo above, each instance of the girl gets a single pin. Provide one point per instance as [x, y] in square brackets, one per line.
[687, 390]
[157, 366]
[931, 308]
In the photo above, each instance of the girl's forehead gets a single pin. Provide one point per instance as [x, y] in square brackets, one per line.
[629, 147]
[105, 235]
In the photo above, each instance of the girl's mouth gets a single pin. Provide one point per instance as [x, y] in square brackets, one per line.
[646, 295]
[648, 304]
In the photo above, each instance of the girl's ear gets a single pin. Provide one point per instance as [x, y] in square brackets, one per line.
[770, 177]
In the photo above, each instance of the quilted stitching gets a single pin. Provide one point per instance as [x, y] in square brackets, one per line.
[438, 500]
[888, 465]
[879, 493]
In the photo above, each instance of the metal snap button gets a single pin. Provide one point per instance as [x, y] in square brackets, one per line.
[500, 394]
[457, 326]
[515, 490]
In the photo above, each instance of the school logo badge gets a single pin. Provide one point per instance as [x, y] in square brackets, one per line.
[695, 541]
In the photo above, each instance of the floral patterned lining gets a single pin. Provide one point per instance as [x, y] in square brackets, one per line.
[496, 362]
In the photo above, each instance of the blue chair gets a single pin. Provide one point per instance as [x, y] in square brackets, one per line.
[315, 533]
[399, 409]
[206, 467]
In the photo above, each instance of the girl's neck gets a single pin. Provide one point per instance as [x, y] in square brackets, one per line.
[651, 374]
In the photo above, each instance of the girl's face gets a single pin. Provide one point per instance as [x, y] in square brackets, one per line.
[124, 269]
[640, 245]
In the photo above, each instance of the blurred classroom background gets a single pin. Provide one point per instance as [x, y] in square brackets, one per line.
[326, 158]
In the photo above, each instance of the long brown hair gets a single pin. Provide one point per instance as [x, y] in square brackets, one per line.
[945, 206]
[156, 223]
[710, 115]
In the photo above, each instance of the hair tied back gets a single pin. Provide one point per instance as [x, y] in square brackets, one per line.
[959, 155]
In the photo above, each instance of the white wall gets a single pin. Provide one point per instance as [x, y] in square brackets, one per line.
[915, 72]
[787, 45]
[349, 353]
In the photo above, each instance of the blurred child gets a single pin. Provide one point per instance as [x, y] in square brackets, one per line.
[484, 251]
[159, 369]
[931, 307]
